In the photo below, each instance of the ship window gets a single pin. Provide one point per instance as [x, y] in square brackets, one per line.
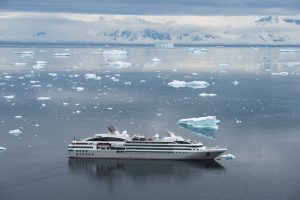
[105, 139]
[182, 142]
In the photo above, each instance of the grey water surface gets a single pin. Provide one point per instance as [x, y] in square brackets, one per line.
[260, 122]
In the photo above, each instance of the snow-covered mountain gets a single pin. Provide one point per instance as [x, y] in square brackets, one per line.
[132, 29]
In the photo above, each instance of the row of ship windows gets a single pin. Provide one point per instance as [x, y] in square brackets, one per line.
[84, 154]
[82, 151]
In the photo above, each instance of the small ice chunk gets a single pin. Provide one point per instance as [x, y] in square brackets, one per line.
[3, 149]
[53, 74]
[61, 54]
[207, 94]
[20, 64]
[43, 98]
[65, 104]
[41, 62]
[120, 64]
[36, 125]
[128, 83]
[115, 54]
[228, 156]
[38, 67]
[164, 45]
[18, 116]
[79, 89]
[194, 50]
[192, 84]
[9, 97]
[92, 76]
[15, 132]
[114, 79]
[235, 82]
[109, 108]
[280, 73]
[159, 114]
[288, 50]
[24, 53]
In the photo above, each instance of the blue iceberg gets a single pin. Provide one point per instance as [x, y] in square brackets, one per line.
[205, 126]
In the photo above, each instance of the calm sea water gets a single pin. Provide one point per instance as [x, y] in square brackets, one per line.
[260, 122]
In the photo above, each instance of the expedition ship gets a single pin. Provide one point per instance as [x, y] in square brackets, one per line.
[121, 146]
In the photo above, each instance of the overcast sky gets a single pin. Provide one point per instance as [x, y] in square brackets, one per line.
[157, 7]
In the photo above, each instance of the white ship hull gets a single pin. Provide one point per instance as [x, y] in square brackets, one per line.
[205, 154]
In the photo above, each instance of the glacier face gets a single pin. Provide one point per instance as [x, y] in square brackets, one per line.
[143, 29]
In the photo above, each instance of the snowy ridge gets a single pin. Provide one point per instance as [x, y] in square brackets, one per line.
[143, 29]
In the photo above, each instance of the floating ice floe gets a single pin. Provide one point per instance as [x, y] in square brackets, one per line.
[18, 116]
[40, 64]
[79, 89]
[207, 94]
[280, 73]
[228, 156]
[120, 64]
[3, 149]
[292, 64]
[288, 50]
[61, 54]
[15, 132]
[20, 64]
[115, 54]
[65, 104]
[114, 79]
[92, 76]
[43, 98]
[192, 84]
[205, 126]
[235, 82]
[9, 97]
[24, 53]
[53, 74]
[223, 68]
[164, 45]
[153, 63]
[194, 50]
[128, 83]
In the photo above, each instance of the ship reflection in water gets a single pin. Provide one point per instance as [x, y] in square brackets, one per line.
[112, 168]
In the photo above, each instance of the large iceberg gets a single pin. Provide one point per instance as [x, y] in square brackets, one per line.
[205, 126]
[192, 84]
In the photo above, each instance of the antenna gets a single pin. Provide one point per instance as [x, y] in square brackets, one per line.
[170, 132]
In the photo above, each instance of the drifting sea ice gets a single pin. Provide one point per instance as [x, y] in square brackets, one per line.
[24, 53]
[3, 149]
[153, 63]
[207, 94]
[79, 89]
[228, 156]
[115, 54]
[235, 82]
[43, 98]
[61, 54]
[192, 84]
[53, 74]
[92, 76]
[20, 64]
[120, 64]
[280, 73]
[194, 50]
[288, 50]
[205, 126]
[15, 132]
[9, 97]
